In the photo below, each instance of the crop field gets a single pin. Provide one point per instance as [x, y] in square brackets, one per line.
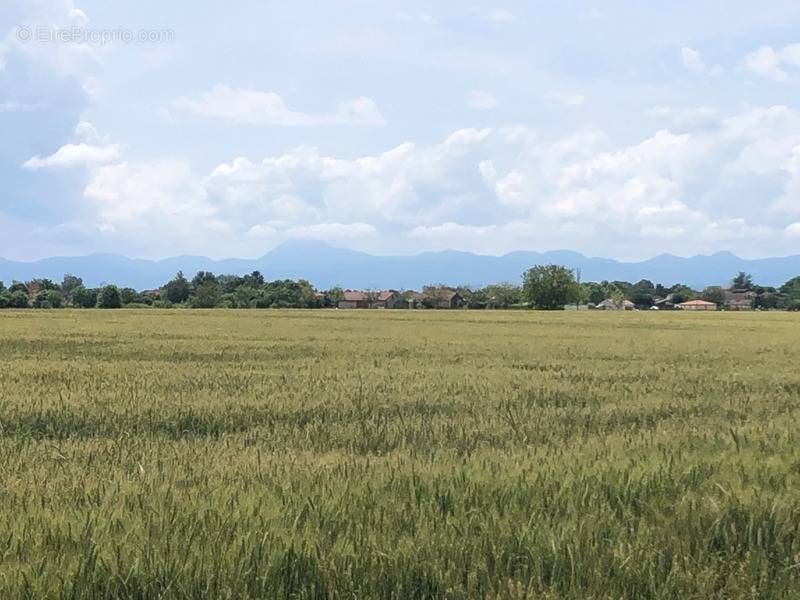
[399, 454]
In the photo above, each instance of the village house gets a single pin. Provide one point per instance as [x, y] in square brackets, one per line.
[386, 299]
[353, 299]
[609, 304]
[447, 298]
[664, 303]
[739, 299]
[358, 299]
[414, 299]
[695, 305]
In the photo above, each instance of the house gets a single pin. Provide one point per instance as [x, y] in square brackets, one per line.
[353, 299]
[358, 299]
[695, 305]
[414, 299]
[609, 304]
[386, 299]
[664, 303]
[738, 299]
[446, 298]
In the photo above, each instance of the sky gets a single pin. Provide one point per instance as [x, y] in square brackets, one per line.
[616, 129]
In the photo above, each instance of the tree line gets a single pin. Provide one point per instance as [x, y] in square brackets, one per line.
[546, 287]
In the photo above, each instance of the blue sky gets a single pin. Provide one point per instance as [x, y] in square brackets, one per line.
[619, 129]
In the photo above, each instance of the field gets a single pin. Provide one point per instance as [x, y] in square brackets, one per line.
[396, 454]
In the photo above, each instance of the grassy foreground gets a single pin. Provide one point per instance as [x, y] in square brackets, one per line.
[289, 454]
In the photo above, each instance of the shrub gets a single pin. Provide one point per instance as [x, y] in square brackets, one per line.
[109, 297]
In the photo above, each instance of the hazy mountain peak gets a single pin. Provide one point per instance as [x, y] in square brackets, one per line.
[325, 265]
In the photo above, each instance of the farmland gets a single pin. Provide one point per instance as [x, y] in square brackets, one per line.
[402, 454]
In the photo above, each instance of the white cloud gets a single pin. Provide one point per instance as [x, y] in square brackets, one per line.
[146, 201]
[338, 232]
[770, 63]
[88, 149]
[693, 61]
[480, 100]
[268, 108]
[74, 155]
[793, 230]
[492, 190]
[64, 59]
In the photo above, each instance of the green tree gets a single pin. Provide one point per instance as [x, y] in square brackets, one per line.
[207, 294]
[500, 295]
[203, 277]
[742, 281]
[84, 298]
[335, 295]
[109, 297]
[681, 293]
[714, 294]
[177, 291]
[18, 299]
[69, 284]
[48, 299]
[550, 287]
[128, 295]
[44, 284]
[791, 294]
[18, 286]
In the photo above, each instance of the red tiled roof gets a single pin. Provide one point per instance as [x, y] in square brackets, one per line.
[354, 296]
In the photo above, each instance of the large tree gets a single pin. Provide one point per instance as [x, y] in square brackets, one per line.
[84, 298]
[177, 290]
[742, 281]
[791, 294]
[550, 287]
[109, 297]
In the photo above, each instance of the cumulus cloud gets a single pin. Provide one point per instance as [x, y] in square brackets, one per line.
[770, 63]
[268, 108]
[693, 61]
[88, 149]
[491, 190]
[63, 59]
[336, 232]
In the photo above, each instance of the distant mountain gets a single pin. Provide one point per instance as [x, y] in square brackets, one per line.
[325, 266]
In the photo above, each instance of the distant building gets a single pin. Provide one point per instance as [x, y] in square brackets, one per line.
[353, 299]
[358, 299]
[415, 299]
[739, 299]
[386, 299]
[609, 304]
[695, 305]
[664, 303]
[447, 298]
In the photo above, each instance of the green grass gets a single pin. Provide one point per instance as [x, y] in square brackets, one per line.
[380, 454]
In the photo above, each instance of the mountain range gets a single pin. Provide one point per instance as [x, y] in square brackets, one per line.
[325, 266]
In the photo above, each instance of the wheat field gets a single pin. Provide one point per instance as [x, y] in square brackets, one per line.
[399, 454]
